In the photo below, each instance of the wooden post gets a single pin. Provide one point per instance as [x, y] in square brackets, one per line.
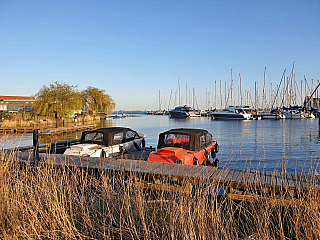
[35, 147]
[56, 117]
[63, 124]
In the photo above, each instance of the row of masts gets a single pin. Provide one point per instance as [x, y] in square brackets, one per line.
[289, 92]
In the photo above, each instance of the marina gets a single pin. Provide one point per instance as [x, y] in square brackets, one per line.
[266, 144]
[247, 180]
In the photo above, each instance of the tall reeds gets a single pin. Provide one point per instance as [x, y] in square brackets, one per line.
[50, 202]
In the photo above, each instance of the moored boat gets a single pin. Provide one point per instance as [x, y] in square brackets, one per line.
[233, 113]
[183, 112]
[273, 114]
[186, 146]
[107, 142]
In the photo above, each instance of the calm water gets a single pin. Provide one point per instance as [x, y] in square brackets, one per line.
[264, 144]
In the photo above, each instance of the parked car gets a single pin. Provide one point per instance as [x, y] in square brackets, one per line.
[186, 146]
[107, 142]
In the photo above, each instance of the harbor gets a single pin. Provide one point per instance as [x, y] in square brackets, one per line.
[166, 120]
[258, 165]
[271, 144]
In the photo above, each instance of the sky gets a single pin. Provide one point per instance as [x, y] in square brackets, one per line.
[134, 49]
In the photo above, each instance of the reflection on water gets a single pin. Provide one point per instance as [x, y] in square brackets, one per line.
[265, 144]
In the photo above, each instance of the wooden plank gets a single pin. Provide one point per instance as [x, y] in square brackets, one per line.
[257, 178]
[229, 177]
[206, 172]
[250, 176]
[192, 170]
[166, 168]
[180, 170]
[155, 167]
[274, 179]
[238, 175]
[268, 178]
[220, 174]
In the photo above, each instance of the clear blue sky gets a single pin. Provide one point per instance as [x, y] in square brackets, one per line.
[133, 49]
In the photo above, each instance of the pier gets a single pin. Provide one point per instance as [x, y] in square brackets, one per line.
[241, 184]
[48, 131]
[60, 130]
[16, 129]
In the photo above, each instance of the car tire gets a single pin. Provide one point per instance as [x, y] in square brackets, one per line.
[103, 154]
[213, 154]
[216, 163]
[195, 161]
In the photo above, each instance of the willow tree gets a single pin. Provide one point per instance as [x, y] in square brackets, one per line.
[96, 99]
[59, 98]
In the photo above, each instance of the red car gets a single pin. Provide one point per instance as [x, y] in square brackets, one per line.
[186, 146]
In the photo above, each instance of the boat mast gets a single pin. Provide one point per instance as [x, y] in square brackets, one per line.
[256, 96]
[225, 93]
[264, 88]
[186, 94]
[231, 88]
[240, 90]
[193, 98]
[179, 92]
[170, 100]
[159, 101]
[220, 96]
[215, 94]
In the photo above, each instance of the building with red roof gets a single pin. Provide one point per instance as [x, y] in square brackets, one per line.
[16, 103]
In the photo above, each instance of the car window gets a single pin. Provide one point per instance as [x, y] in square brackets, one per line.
[202, 140]
[176, 140]
[95, 137]
[208, 138]
[131, 134]
[118, 137]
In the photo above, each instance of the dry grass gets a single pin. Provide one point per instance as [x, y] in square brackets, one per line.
[46, 202]
[29, 120]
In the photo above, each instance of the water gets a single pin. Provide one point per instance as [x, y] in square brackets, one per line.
[265, 144]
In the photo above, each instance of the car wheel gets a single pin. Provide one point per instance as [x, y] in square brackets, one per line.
[195, 161]
[103, 154]
[216, 163]
[213, 154]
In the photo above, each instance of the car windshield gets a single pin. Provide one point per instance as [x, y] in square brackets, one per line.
[94, 137]
[176, 140]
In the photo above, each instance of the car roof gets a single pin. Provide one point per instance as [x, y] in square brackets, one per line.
[113, 129]
[189, 131]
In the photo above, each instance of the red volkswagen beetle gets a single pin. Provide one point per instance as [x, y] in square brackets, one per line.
[186, 146]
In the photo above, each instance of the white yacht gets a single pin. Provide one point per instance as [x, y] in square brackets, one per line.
[233, 113]
[183, 112]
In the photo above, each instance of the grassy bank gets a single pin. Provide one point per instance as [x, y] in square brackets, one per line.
[51, 203]
[30, 120]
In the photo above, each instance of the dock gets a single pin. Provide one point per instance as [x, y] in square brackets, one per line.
[241, 184]
[16, 129]
[48, 131]
[60, 130]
